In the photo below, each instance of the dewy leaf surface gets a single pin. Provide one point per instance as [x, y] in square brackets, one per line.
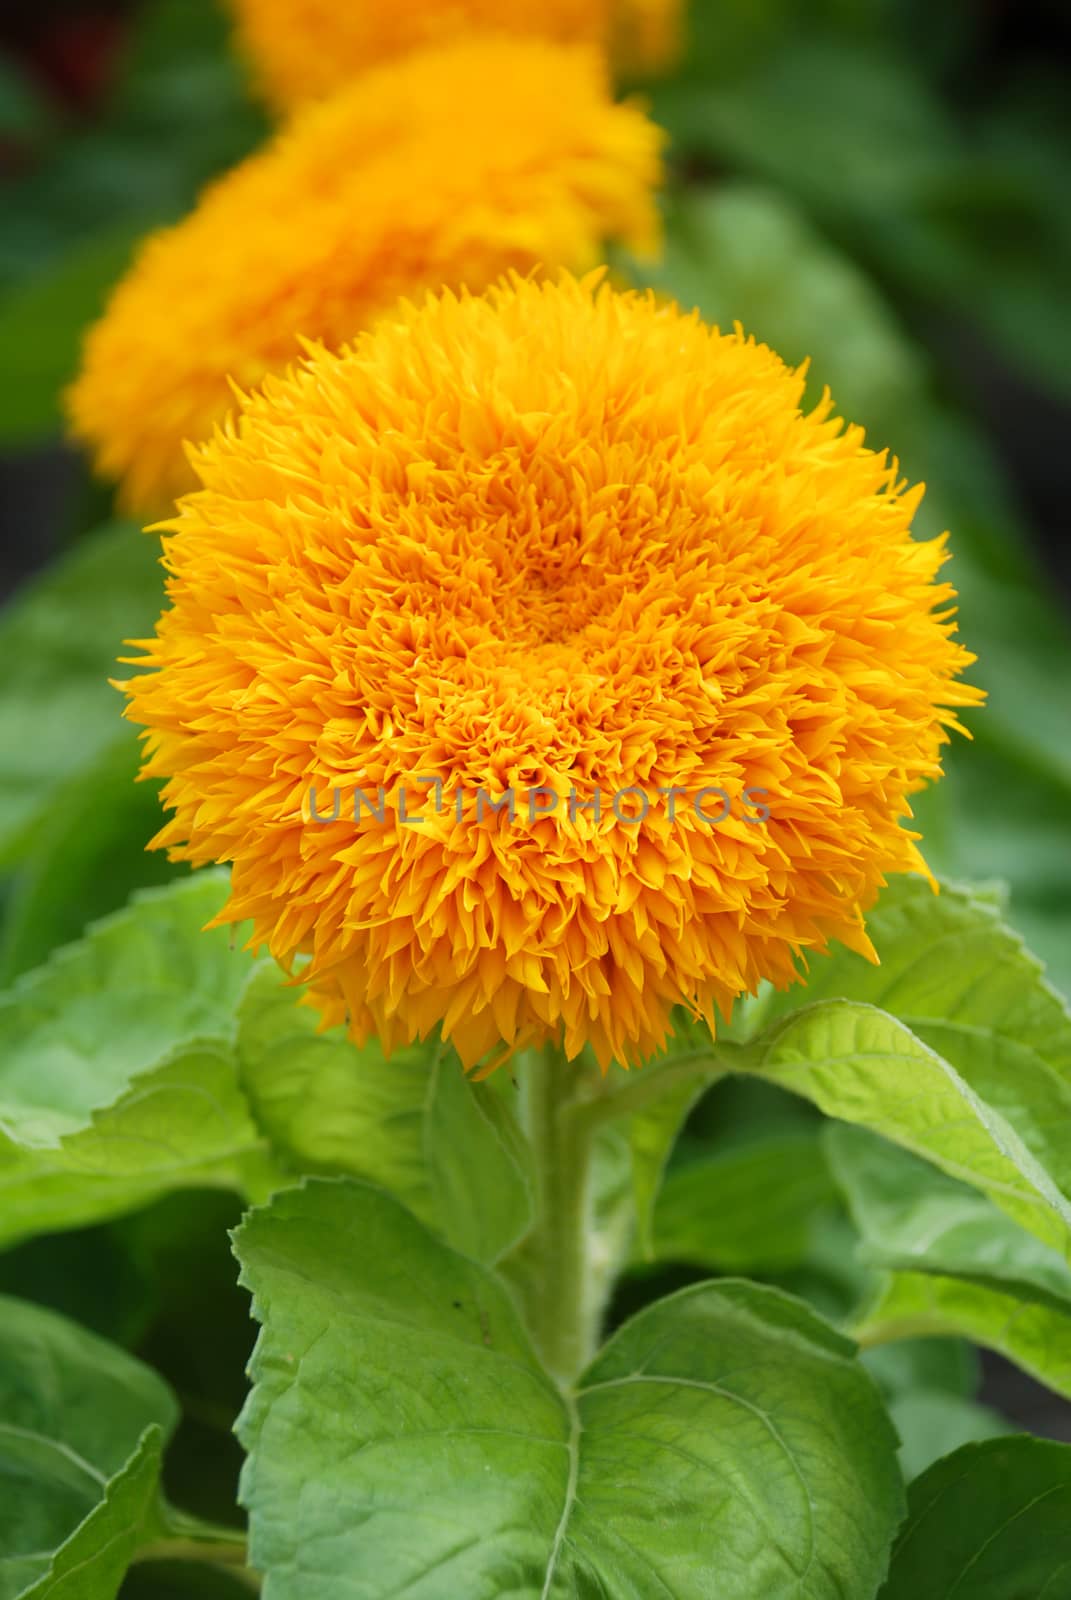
[81, 1429]
[403, 1438]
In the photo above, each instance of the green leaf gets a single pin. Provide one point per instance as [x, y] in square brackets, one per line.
[1033, 1334]
[931, 1423]
[59, 640]
[852, 130]
[955, 1265]
[80, 1438]
[140, 984]
[42, 323]
[913, 1218]
[414, 1123]
[929, 1386]
[92, 1563]
[858, 1063]
[402, 1435]
[968, 1063]
[963, 983]
[86, 859]
[118, 1079]
[990, 1522]
[1010, 817]
[749, 1209]
[844, 126]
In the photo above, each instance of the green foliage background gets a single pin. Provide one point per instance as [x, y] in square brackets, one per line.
[885, 1157]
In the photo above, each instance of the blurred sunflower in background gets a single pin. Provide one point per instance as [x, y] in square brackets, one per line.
[561, 539]
[450, 167]
[301, 49]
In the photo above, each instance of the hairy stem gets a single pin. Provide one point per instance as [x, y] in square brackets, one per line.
[555, 1262]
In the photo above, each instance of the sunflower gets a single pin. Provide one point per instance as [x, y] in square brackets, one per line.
[302, 49]
[450, 167]
[571, 546]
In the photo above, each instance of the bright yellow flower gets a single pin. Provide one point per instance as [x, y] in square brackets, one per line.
[301, 49]
[451, 167]
[552, 540]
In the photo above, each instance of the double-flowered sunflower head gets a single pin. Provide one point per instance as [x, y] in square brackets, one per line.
[302, 49]
[561, 542]
[449, 167]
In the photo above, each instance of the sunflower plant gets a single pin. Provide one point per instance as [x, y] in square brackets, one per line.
[543, 1005]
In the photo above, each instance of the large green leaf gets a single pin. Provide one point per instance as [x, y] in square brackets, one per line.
[862, 1065]
[963, 983]
[913, 1218]
[990, 1522]
[59, 640]
[92, 1562]
[81, 1429]
[931, 1423]
[929, 1386]
[86, 858]
[414, 1123]
[118, 1079]
[954, 1264]
[1033, 1334]
[967, 1062]
[402, 1435]
[141, 983]
[748, 1209]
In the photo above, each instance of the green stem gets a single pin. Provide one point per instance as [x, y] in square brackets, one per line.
[649, 1086]
[232, 1554]
[555, 1263]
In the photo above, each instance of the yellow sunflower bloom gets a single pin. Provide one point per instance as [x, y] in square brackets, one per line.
[302, 49]
[570, 546]
[450, 167]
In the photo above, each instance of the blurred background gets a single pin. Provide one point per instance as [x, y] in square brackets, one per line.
[883, 186]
